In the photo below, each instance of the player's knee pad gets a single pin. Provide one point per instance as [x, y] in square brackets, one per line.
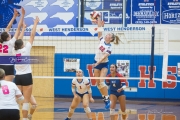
[33, 106]
[112, 111]
[87, 110]
[20, 99]
[71, 110]
[101, 85]
[25, 106]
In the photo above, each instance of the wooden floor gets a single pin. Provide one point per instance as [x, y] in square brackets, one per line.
[56, 109]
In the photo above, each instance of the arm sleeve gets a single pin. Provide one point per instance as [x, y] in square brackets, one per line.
[101, 38]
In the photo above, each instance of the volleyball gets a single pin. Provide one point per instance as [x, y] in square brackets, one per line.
[94, 15]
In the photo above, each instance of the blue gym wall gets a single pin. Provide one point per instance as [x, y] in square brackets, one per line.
[63, 86]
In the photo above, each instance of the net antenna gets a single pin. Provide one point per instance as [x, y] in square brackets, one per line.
[152, 43]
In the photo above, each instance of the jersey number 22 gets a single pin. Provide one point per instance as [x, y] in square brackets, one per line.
[3, 48]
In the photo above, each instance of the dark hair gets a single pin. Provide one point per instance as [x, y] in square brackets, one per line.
[116, 38]
[115, 66]
[4, 37]
[18, 44]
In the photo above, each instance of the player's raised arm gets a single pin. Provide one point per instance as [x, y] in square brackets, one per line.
[20, 23]
[22, 31]
[12, 20]
[33, 32]
[100, 24]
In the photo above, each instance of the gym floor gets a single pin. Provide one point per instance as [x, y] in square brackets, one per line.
[57, 109]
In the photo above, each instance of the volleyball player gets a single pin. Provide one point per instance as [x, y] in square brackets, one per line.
[9, 109]
[101, 60]
[82, 92]
[32, 99]
[23, 78]
[117, 87]
[7, 44]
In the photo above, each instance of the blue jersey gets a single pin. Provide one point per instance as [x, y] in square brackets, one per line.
[115, 84]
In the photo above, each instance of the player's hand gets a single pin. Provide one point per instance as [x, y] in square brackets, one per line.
[94, 65]
[16, 13]
[91, 100]
[119, 90]
[36, 21]
[23, 11]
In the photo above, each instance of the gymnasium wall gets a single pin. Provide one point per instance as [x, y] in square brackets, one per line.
[138, 67]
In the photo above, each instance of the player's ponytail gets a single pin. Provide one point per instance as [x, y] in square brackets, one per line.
[2, 75]
[18, 44]
[115, 39]
[4, 37]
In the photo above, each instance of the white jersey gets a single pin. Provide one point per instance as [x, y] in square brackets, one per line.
[8, 92]
[81, 87]
[6, 48]
[23, 68]
[102, 49]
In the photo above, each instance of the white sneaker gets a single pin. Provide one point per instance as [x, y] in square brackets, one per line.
[29, 117]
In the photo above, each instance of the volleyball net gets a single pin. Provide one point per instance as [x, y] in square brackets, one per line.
[69, 48]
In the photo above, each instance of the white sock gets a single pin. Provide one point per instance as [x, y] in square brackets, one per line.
[24, 119]
[106, 98]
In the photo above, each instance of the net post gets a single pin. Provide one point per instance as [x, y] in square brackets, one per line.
[152, 52]
[124, 13]
[82, 12]
[165, 55]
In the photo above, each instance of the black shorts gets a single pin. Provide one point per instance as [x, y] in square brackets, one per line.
[23, 80]
[81, 95]
[9, 69]
[9, 114]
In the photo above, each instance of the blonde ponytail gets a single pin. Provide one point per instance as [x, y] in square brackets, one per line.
[2, 75]
[117, 40]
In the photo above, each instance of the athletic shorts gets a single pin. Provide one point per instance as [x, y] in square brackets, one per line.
[9, 69]
[116, 93]
[81, 95]
[24, 80]
[101, 65]
[9, 114]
